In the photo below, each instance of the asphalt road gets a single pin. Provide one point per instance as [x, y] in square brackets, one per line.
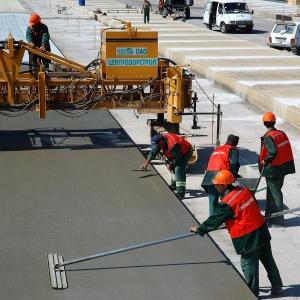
[259, 35]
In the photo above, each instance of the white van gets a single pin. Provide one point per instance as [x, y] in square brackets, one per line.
[285, 36]
[228, 15]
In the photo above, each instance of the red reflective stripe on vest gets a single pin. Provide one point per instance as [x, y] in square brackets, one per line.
[247, 214]
[283, 147]
[219, 159]
[175, 139]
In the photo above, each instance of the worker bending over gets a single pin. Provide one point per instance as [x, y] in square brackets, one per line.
[178, 152]
[37, 35]
[239, 210]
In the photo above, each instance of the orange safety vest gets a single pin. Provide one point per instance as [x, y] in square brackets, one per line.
[283, 147]
[219, 159]
[247, 214]
[175, 139]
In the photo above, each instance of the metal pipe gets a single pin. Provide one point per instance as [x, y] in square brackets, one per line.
[218, 126]
[212, 119]
[70, 262]
[259, 190]
[259, 179]
[281, 213]
[195, 99]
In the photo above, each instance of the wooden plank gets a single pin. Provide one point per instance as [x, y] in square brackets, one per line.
[63, 273]
[57, 272]
[51, 271]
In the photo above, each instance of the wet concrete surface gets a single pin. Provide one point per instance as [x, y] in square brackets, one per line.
[73, 187]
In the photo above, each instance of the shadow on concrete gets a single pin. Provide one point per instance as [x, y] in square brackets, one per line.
[247, 157]
[288, 222]
[201, 164]
[254, 31]
[292, 222]
[288, 291]
[60, 138]
[196, 18]
[196, 193]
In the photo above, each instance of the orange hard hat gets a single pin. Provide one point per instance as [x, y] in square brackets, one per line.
[224, 177]
[269, 117]
[34, 19]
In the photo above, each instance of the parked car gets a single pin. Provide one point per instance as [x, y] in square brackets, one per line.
[171, 6]
[228, 15]
[285, 36]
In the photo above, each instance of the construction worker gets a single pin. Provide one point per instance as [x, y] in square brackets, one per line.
[178, 152]
[146, 9]
[224, 157]
[165, 9]
[160, 7]
[247, 228]
[276, 160]
[38, 36]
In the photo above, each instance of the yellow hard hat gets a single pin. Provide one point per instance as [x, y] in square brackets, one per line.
[224, 177]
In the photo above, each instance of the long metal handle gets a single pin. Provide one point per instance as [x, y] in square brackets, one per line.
[259, 179]
[287, 211]
[124, 249]
[177, 237]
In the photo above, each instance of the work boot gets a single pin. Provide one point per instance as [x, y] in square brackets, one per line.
[180, 196]
[172, 187]
[276, 291]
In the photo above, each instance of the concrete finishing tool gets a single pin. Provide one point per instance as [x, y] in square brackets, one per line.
[56, 264]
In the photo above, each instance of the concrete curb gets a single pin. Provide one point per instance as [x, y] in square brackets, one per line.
[261, 92]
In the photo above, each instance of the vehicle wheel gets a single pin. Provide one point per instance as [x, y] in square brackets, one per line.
[298, 51]
[187, 13]
[223, 28]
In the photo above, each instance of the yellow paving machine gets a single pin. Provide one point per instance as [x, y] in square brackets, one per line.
[128, 74]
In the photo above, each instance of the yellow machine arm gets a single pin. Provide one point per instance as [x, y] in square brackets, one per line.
[127, 75]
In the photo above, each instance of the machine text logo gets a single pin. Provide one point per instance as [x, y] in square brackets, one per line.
[131, 51]
[136, 62]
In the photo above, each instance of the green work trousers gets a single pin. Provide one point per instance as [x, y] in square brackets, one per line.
[178, 179]
[250, 267]
[274, 201]
[146, 15]
[213, 198]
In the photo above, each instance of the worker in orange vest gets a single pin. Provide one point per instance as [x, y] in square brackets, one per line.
[250, 235]
[178, 152]
[276, 160]
[225, 157]
[160, 7]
